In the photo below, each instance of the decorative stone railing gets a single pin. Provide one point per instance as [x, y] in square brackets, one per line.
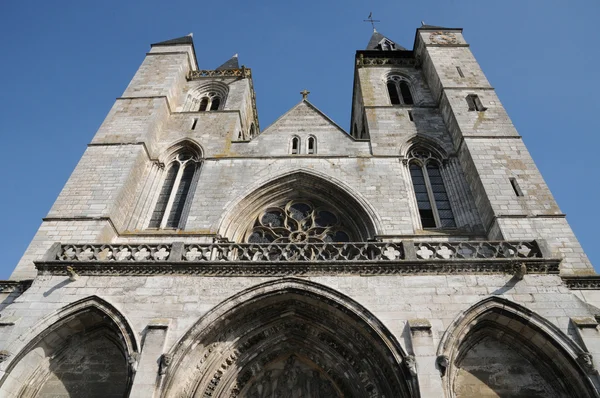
[241, 72]
[474, 249]
[292, 258]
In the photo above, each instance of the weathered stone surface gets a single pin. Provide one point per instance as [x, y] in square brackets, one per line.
[119, 308]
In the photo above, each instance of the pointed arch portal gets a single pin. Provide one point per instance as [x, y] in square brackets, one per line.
[288, 338]
[499, 348]
[82, 350]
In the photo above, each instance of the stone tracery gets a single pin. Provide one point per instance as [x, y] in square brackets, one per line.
[298, 222]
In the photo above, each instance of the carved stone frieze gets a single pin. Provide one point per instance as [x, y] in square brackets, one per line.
[591, 282]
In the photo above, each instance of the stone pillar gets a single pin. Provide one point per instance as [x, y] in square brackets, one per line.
[430, 382]
[147, 375]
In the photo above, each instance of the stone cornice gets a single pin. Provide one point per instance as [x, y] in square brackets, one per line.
[15, 286]
[591, 282]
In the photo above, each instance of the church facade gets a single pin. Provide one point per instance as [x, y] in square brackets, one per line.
[192, 254]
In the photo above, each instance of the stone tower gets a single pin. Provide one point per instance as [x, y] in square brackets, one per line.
[191, 254]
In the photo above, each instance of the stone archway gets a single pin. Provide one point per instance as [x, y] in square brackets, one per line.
[305, 185]
[498, 348]
[289, 338]
[83, 349]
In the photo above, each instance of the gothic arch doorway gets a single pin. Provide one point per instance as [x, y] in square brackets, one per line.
[83, 349]
[288, 338]
[499, 348]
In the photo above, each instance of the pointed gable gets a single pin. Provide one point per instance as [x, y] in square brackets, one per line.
[304, 118]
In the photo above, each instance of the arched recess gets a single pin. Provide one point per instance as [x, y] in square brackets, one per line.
[185, 144]
[288, 338]
[87, 348]
[208, 90]
[412, 81]
[309, 185]
[498, 348]
[431, 144]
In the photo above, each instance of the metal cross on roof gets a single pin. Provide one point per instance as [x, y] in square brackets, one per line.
[370, 19]
[304, 93]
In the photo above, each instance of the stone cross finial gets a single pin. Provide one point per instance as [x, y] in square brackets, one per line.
[304, 94]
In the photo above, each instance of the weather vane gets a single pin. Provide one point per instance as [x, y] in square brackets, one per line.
[370, 19]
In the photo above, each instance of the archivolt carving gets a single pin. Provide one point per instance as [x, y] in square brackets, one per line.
[554, 355]
[285, 338]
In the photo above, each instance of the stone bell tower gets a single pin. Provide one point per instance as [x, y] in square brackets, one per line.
[193, 254]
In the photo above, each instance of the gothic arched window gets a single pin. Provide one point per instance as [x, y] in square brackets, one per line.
[210, 101]
[311, 147]
[295, 149]
[175, 191]
[430, 192]
[298, 221]
[203, 104]
[399, 91]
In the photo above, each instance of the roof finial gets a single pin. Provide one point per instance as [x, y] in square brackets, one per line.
[304, 93]
[422, 23]
[191, 34]
[370, 19]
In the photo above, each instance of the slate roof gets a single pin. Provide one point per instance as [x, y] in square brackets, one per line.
[173, 42]
[377, 37]
[232, 63]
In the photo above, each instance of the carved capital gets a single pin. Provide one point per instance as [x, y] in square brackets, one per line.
[165, 362]
[442, 362]
[411, 364]
[585, 359]
[133, 361]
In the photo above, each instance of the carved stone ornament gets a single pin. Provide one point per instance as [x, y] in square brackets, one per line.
[298, 222]
[442, 362]
[586, 360]
[295, 379]
[443, 38]
[133, 361]
[411, 364]
[4, 355]
[165, 361]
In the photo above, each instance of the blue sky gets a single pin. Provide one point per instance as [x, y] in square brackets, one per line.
[64, 62]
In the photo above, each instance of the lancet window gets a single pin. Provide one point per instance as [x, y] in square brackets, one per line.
[295, 146]
[210, 101]
[175, 191]
[298, 221]
[399, 91]
[432, 199]
[311, 147]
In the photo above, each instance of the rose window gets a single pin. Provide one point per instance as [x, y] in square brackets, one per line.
[298, 222]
